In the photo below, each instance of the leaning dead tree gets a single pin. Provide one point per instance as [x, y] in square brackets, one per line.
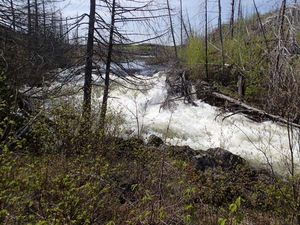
[262, 28]
[172, 30]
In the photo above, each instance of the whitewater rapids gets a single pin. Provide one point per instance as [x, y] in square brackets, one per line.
[200, 127]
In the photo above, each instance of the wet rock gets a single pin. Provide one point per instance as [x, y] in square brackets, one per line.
[218, 157]
[155, 141]
[126, 148]
[182, 152]
[203, 160]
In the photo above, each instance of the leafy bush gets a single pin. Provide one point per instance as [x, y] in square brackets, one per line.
[12, 118]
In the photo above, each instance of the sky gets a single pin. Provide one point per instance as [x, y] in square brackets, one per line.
[194, 9]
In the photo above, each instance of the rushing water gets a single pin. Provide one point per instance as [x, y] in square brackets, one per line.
[200, 127]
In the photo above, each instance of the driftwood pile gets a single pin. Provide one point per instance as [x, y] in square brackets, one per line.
[179, 86]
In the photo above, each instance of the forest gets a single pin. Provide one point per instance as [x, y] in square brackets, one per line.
[171, 112]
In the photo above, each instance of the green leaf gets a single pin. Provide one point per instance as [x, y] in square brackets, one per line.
[222, 221]
[233, 208]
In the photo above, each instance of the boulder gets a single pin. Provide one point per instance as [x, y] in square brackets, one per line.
[203, 160]
[155, 141]
[182, 152]
[218, 157]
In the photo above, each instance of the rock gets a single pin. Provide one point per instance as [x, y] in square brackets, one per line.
[203, 160]
[182, 152]
[155, 141]
[126, 148]
[218, 157]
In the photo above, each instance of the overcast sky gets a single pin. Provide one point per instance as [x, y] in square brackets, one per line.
[194, 9]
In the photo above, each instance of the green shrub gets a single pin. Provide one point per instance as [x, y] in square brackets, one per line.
[12, 118]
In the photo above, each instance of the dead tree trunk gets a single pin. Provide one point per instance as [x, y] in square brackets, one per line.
[13, 15]
[186, 30]
[247, 109]
[36, 18]
[67, 32]
[181, 24]
[282, 19]
[53, 24]
[294, 23]
[29, 20]
[172, 30]
[261, 26]
[29, 45]
[61, 27]
[240, 10]
[241, 87]
[87, 88]
[206, 40]
[221, 36]
[108, 67]
[44, 17]
[190, 25]
[281, 43]
[232, 18]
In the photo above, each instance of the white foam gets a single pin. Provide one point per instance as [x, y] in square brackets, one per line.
[202, 126]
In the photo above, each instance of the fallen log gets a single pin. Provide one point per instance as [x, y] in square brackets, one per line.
[251, 109]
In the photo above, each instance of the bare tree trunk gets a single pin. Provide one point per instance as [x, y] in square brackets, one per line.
[76, 34]
[281, 40]
[221, 36]
[294, 23]
[108, 65]
[67, 32]
[190, 25]
[29, 46]
[241, 87]
[36, 19]
[87, 88]
[53, 24]
[44, 17]
[13, 14]
[206, 40]
[181, 24]
[261, 26]
[231, 25]
[240, 10]
[29, 18]
[282, 18]
[61, 27]
[172, 30]
[185, 29]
